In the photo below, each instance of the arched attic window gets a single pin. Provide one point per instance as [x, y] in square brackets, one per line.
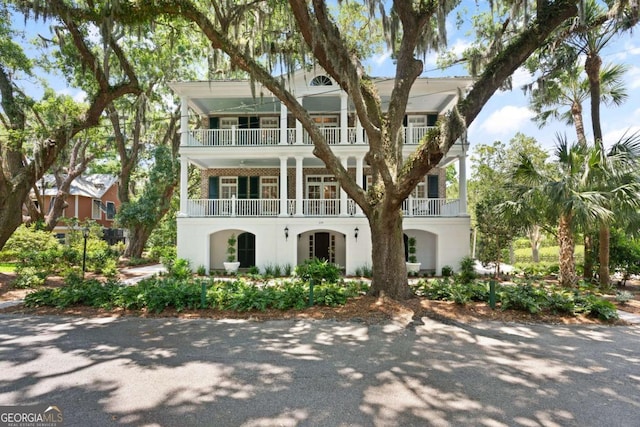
[321, 81]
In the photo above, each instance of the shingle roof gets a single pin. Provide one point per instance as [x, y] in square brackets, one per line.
[93, 186]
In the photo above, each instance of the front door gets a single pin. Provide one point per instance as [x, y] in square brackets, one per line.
[321, 246]
[247, 250]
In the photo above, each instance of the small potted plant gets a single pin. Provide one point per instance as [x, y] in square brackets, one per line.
[413, 266]
[231, 266]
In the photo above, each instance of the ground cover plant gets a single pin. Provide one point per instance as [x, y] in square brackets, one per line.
[159, 293]
[523, 295]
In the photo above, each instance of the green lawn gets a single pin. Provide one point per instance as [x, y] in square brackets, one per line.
[7, 267]
[547, 254]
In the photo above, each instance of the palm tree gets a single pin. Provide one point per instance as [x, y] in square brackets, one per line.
[564, 196]
[615, 172]
[562, 96]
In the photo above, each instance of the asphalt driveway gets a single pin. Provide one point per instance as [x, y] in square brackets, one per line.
[173, 372]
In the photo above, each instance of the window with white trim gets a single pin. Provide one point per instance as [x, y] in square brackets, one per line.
[416, 120]
[326, 120]
[95, 209]
[228, 187]
[420, 191]
[111, 211]
[269, 122]
[228, 122]
[268, 187]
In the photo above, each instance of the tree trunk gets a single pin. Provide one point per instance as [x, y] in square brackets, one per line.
[576, 113]
[566, 257]
[603, 254]
[534, 240]
[136, 242]
[10, 209]
[389, 265]
[588, 257]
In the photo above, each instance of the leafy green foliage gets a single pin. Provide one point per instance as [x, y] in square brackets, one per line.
[447, 271]
[467, 271]
[158, 294]
[527, 296]
[318, 270]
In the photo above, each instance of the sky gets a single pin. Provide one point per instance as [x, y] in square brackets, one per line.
[506, 113]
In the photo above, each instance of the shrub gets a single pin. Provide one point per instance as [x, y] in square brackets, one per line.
[201, 271]
[318, 270]
[28, 277]
[598, 307]
[447, 271]
[180, 269]
[467, 270]
[287, 270]
[624, 297]
[523, 297]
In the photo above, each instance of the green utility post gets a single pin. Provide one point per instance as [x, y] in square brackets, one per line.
[310, 292]
[203, 296]
[492, 294]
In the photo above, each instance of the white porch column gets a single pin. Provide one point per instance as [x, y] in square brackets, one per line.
[299, 186]
[283, 187]
[462, 182]
[184, 121]
[184, 181]
[359, 135]
[344, 122]
[283, 125]
[299, 126]
[359, 179]
[343, 194]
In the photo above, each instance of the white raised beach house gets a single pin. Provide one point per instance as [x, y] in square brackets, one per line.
[261, 181]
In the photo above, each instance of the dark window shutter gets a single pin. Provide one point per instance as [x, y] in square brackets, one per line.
[254, 122]
[405, 121]
[243, 190]
[243, 122]
[254, 187]
[432, 119]
[364, 182]
[214, 122]
[432, 187]
[213, 187]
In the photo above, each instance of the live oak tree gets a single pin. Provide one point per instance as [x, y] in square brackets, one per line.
[19, 169]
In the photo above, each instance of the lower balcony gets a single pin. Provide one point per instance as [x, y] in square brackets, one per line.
[311, 207]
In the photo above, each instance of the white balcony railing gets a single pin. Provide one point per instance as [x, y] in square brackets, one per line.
[236, 137]
[430, 207]
[310, 207]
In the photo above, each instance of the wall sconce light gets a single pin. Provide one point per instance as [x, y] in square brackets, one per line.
[355, 231]
[286, 233]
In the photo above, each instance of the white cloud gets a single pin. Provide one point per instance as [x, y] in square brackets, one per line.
[77, 95]
[506, 120]
[633, 77]
[520, 78]
[379, 60]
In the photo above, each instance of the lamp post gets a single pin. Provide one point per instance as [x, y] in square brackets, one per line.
[85, 235]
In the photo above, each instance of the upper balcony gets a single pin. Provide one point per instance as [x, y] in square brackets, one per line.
[275, 136]
[231, 208]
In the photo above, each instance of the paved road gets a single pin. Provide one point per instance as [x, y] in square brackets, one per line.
[172, 372]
